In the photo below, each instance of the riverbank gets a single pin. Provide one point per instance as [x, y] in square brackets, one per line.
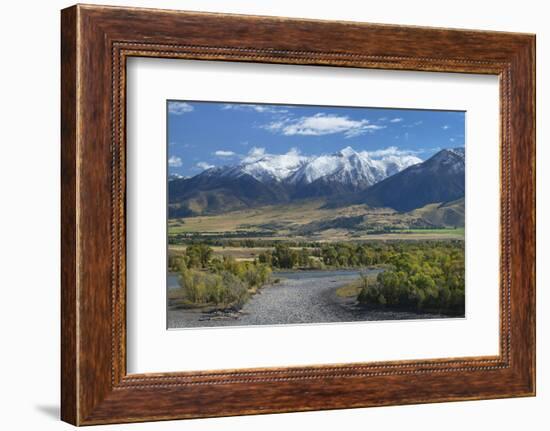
[299, 298]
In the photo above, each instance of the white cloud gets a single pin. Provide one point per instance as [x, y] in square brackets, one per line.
[275, 126]
[394, 155]
[396, 120]
[322, 124]
[204, 166]
[179, 108]
[416, 123]
[175, 162]
[395, 151]
[445, 127]
[390, 151]
[255, 153]
[176, 176]
[278, 163]
[452, 139]
[224, 153]
[264, 109]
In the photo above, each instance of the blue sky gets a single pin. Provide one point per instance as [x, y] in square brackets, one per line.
[206, 134]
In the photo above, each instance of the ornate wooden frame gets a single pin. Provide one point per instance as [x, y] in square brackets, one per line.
[95, 42]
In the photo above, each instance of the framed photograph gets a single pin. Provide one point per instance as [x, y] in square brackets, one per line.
[267, 215]
[306, 229]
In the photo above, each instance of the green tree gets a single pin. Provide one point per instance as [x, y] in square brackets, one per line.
[284, 256]
[199, 255]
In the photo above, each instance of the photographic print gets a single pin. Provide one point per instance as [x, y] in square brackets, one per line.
[299, 214]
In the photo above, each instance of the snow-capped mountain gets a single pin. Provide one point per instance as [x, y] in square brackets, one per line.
[261, 179]
[438, 179]
[393, 164]
[267, 167]
[347, 166]
[451, 159]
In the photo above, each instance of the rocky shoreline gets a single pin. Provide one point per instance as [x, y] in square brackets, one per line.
[292, 301]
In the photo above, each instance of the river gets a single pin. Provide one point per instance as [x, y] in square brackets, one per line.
[299, 297]
[173, 282]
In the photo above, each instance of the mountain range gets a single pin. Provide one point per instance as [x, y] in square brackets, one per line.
[399, 181]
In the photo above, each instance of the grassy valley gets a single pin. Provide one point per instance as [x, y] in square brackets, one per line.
[313, 220]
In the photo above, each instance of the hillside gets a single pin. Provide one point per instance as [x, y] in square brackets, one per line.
[446, 214]
[438, 179]
[312, 219]
[275, 179]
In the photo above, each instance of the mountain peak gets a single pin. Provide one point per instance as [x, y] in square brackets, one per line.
[398, 180]
[459, 151]
[347, 152]
[347, 168]
[438, 179]
[448, 156]
[272, 167]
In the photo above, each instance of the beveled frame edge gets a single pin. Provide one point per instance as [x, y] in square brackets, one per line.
[95, 43]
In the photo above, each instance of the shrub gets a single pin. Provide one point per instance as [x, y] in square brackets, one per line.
[224, 283]
[426, 277]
